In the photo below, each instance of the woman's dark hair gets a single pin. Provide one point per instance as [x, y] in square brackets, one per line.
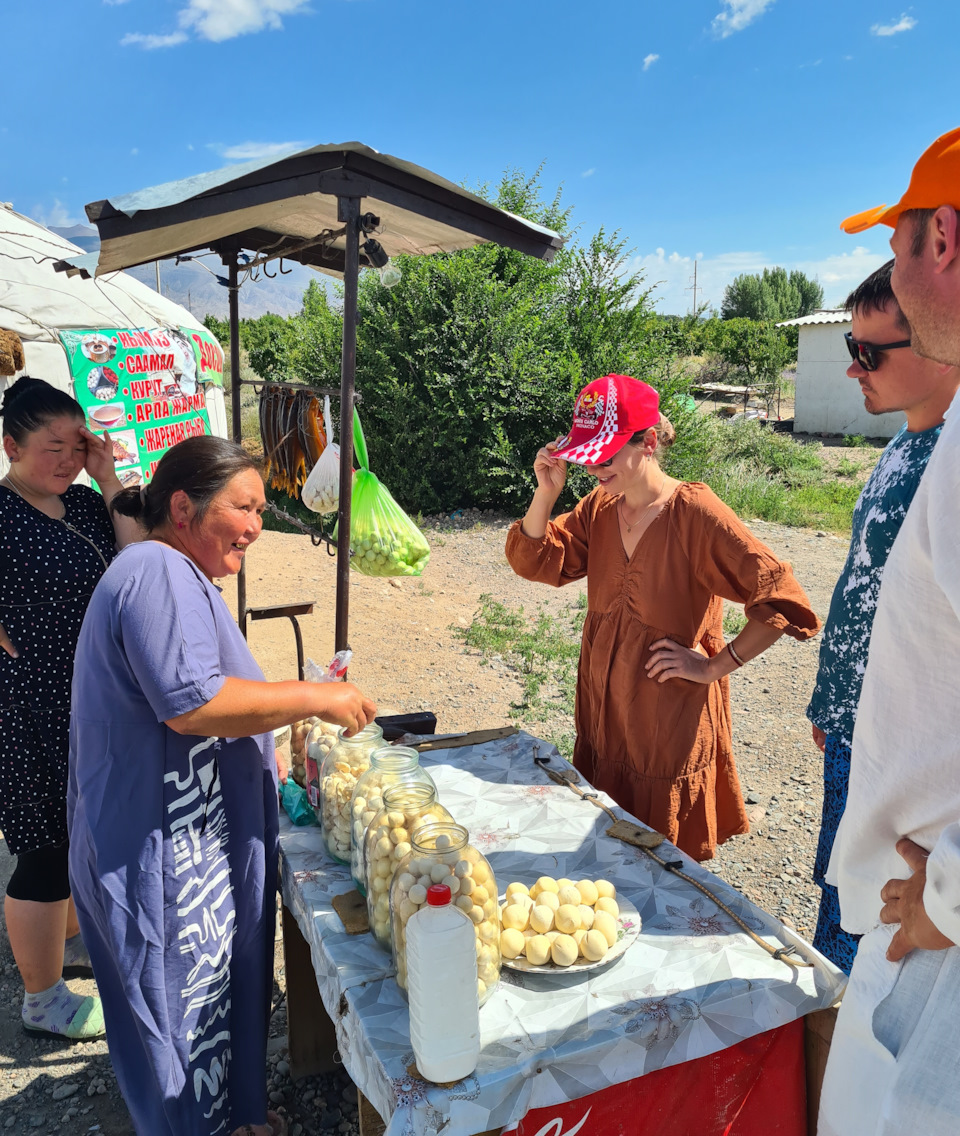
[30, 404]
[201, 467]
[666, 436]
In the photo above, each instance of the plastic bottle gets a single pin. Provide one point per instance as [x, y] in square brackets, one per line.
[442, 988]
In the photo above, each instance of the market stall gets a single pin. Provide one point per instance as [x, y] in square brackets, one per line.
[334, 208]
[139, 364]
[693, 1026]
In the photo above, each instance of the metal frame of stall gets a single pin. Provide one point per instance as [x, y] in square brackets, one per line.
[277, 210]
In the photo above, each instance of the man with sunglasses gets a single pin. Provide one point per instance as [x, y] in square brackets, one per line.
[894, 1058]
[891, 377]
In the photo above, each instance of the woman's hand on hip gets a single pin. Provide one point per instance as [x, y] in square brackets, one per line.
[672, 660]
[551, 472]
[343, 703]
[6, 643]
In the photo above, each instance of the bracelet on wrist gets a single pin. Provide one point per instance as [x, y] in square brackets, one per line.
[733, 655]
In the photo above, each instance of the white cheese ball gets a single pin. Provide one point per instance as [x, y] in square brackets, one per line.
[549, 899]
[571, 895]
[418, 894]
[586, 916]
[567, 918]
[564, 950]
[606, 925]
[610, 906]
[594, 946]
[515, 916]
[516, 889]
[537, 950]
[512, 943]
[605, 889]
[541, 918]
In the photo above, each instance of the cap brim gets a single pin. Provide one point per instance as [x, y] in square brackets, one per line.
[879, 215]
[591, 452]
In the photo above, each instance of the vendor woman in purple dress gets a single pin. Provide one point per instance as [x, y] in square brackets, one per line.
[173, 801]
[56, 540]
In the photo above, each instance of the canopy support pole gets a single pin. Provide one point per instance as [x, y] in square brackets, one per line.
[348, 210]
[235, 390]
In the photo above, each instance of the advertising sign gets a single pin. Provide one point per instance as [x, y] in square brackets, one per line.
[144, 386]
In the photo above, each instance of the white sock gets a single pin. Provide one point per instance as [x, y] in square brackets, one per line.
[60, 1011]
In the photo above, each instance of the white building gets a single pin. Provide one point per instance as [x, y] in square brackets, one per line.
[828, 402]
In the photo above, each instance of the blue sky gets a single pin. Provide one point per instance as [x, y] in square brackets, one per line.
[736, 132]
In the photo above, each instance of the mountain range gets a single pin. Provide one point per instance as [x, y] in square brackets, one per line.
[197, 287]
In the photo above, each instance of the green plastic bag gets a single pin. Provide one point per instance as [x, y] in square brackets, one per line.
[383, 539]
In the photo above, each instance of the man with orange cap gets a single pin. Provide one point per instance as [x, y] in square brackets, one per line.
[896, 858]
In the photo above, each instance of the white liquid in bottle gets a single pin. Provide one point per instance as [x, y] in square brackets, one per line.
[442, 988]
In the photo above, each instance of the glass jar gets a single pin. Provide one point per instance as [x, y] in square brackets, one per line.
[389, 765]
[341, 769]
[406, 809]
[441, 853]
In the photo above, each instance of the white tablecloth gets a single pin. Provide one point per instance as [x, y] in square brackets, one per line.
[691, 985]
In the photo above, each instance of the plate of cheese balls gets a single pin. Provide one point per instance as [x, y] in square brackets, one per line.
[556, 926]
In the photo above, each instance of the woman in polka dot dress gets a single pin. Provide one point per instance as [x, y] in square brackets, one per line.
[56, 540]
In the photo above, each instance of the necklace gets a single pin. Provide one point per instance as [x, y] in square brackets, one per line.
[646, 508]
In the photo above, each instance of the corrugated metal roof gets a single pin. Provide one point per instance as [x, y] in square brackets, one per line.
[825, 315]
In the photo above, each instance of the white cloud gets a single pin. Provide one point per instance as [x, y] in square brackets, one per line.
[904, 24]
[738, 15]
[589, 173]
[673, 273]
[649, 60]
[250, 151]
[135, 151]
[56, 216]
[219, 20]
[152, 42]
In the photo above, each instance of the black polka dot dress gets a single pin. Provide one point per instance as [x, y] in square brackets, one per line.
[47, 576]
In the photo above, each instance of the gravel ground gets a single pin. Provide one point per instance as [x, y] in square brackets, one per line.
[407, 657]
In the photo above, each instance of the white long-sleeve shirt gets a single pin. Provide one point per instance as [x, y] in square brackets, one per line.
[905, 770]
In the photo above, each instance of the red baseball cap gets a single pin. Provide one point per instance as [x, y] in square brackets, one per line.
[935, 181]
[608, 412]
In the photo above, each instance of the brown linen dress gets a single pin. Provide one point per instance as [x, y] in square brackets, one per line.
[663, 751]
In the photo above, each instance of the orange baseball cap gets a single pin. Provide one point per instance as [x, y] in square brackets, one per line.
[935, 181]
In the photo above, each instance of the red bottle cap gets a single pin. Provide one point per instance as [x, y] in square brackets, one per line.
[438, 895]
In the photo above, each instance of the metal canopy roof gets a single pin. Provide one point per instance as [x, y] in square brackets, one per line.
[273, 204]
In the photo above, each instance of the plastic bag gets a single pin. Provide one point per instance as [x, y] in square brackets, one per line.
[321, 490]
[295, 804]
[383, 539]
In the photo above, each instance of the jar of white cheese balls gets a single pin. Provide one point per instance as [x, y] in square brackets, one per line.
[389, 765]
[406, 809]
[441, 854]
[342, 768]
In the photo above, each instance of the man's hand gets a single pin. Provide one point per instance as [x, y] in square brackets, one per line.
[819, 738]
[903, 904]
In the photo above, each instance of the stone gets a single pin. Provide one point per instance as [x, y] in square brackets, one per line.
[283, 1068]
[61, 1092]
[276, 1097]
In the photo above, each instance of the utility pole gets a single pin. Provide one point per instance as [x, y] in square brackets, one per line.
[156, 265]
[694, 288]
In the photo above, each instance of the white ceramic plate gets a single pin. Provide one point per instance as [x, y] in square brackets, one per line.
[628, 923]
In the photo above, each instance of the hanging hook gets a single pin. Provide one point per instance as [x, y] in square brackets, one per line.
[284, 271]
[269, 275]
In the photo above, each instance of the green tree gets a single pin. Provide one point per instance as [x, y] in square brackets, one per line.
[757, 351]
[771, 295]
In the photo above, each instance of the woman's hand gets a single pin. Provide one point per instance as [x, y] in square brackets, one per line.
[6, 644]
[99, 464]
[819, 739]
[672, 660]
[342, 703]
[551, 472]
[283, 770]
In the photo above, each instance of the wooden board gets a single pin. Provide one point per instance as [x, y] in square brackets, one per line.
[819, 1032]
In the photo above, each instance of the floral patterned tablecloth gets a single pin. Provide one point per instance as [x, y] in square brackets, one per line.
[691, 985]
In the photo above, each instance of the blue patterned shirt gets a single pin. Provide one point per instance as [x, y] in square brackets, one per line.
[877, 519]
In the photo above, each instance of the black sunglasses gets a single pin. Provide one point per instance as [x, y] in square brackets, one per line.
[866, 353]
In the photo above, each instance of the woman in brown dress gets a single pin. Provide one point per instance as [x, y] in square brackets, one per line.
[660, 556]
